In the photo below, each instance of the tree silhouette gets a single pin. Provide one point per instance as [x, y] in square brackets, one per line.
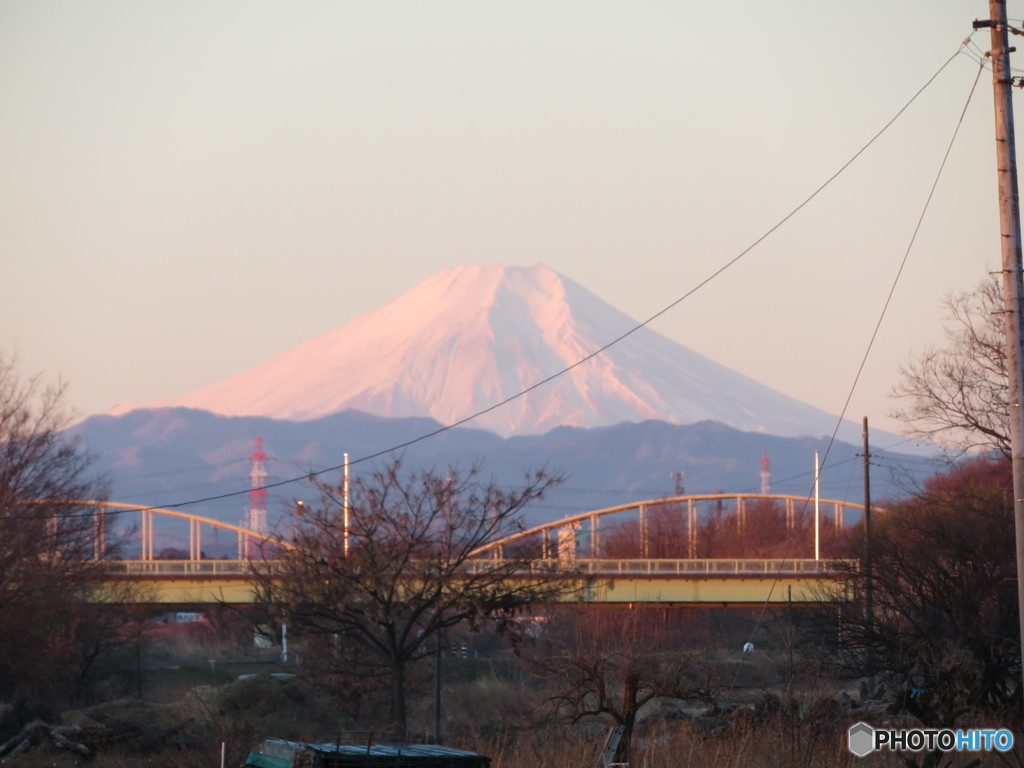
[942, 639]
[956, 394]
[49, 566]
[608, 662]
[407, 569]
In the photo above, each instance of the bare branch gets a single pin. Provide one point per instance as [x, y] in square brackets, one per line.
[956, 395]
[408, 572]
[51, 582]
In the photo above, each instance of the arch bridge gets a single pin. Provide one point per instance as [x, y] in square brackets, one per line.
[567, 531]
[683, 578]
[558, 537]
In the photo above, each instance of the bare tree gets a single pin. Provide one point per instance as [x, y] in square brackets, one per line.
[956, 394]
[48, 558]
[406, 568]
[760, 531]
[665, 531]
[942, 636]
[610, 663]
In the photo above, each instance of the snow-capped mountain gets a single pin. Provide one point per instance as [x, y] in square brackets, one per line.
[470, 337]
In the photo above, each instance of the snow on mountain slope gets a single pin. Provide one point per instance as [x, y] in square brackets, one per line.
[469, 337]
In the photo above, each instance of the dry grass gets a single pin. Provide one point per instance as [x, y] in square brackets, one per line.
[660, 744]
[677, 744]
[190, 732]
[489, 707]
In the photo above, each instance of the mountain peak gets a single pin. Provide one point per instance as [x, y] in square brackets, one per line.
[469, 337]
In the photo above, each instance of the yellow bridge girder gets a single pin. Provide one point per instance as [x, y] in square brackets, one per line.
[712, 590]
[683, 582]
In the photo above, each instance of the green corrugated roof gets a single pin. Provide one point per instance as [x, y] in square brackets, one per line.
[388, 750]
[368, 756]
[259, 760]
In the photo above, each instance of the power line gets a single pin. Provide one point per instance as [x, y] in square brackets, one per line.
[903, 261]
[631, 331]
[309, 476]
[878, 324]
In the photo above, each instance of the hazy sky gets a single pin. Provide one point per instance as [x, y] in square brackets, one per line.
[189, 188]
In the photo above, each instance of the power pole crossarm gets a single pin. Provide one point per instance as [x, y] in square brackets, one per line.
[989, 23]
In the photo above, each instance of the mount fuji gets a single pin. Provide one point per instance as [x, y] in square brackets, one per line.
[470, 337]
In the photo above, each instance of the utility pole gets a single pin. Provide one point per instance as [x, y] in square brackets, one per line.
[437, 687]
[1009, 223]
[869, 597]
[817, 511]
[345, 502]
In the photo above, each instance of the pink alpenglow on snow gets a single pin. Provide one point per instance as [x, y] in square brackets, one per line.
[469, 337]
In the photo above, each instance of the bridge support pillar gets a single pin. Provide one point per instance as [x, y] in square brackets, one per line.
[99, 533]
[567, 542]
[195, 548]
[644, 550]
[691, 527]
[147, 534]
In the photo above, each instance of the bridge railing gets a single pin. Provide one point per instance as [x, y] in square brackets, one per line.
[172, 568]
[588, 567]
[684, 567]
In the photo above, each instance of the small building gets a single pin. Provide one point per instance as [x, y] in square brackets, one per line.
[278, 753]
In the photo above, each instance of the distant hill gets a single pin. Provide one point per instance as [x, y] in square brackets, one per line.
[167, 456]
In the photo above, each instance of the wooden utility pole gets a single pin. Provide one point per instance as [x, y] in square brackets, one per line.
[1009, 223]
[437, 688]
[869, 587]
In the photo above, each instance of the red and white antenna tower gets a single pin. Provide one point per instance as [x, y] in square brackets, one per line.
[766, 474]
[257, 493]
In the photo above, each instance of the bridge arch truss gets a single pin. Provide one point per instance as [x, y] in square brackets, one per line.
[567, 529]
[248, 539]
[555, 537]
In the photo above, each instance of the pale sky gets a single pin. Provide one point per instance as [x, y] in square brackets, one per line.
[189, 188]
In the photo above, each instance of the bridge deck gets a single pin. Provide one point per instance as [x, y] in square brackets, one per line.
[723, 581]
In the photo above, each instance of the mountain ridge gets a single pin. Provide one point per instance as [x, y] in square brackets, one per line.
[468, 338]
[165, 457]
